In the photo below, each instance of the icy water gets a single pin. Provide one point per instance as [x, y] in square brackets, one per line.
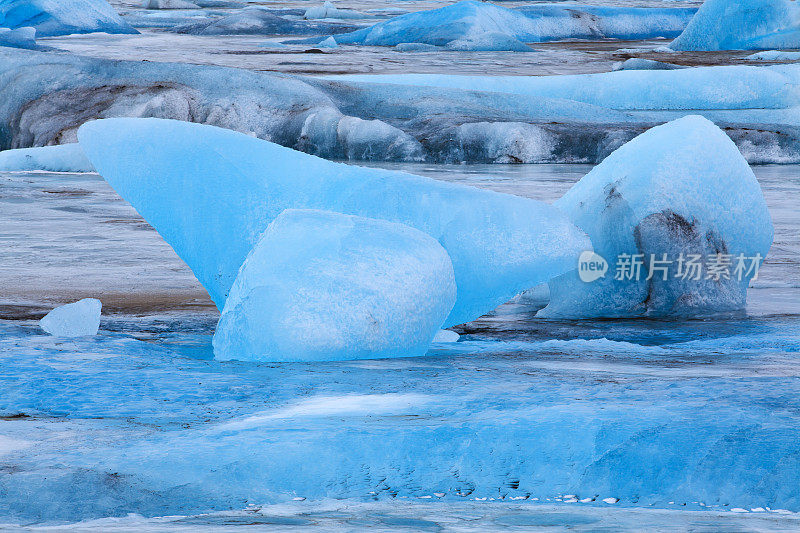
[524, 423]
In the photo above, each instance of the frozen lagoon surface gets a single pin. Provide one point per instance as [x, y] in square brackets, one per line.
[522, 423]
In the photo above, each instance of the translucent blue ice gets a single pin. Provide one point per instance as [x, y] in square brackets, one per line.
[59, 158]
[677, 192]
[469, 21]
[742, 25]
[322, 286]
[24, 37]
[62, 17]
[211, 192]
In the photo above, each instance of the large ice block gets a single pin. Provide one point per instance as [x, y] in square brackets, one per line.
[680, 221]
[322, 286]
[742, 25]
[211, 192]
[62, 17]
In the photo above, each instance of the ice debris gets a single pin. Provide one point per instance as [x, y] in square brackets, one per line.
[78, 319]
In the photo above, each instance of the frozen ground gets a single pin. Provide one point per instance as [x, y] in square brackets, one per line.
[531, 412]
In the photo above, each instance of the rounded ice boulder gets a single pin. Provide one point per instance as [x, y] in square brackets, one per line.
[323, 286]
[678, 223]
[79, 319]
[742, 25]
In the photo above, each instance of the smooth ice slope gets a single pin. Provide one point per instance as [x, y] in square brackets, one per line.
[471, 20]
[61, 158]
[62, 17]
[212, 207]
[742, 25]
[322, 286]
[78, 319]
[678, 190]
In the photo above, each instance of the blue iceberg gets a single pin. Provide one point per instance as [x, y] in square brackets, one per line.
[321, 286]
[742, 25]
[62, 17]
[212, 192]
[259, 21]
[471, 20]
[678, 224]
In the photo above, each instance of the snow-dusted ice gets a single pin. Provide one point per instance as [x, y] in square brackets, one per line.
[59, 158]
[742, 25]
[679, 218]
[62, 17]
[212, 207]
[78, 319]
[322, 286]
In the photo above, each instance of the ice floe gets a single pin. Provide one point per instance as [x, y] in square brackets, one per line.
[78, 319]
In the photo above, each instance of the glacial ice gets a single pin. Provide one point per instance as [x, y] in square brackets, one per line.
[62, 17]
[577, 118]
[471, 20]
[329, 11]
[681, 193]
[774, 55]
[60, 158]
[260, 21]
[322, 286]
[742, 25]
[212, 207]
[757, 106]
[24, 37]
[638, 63]
[78, 319]
[169, 4]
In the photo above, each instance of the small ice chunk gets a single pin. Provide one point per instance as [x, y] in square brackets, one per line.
[446, 335]
[678, 223]
[416, 47]
[638, 63]
[774, 55]
[79, 319]
[330, 11]
[323, 286]
[330, 42]
[610, 500]
[169, 4]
